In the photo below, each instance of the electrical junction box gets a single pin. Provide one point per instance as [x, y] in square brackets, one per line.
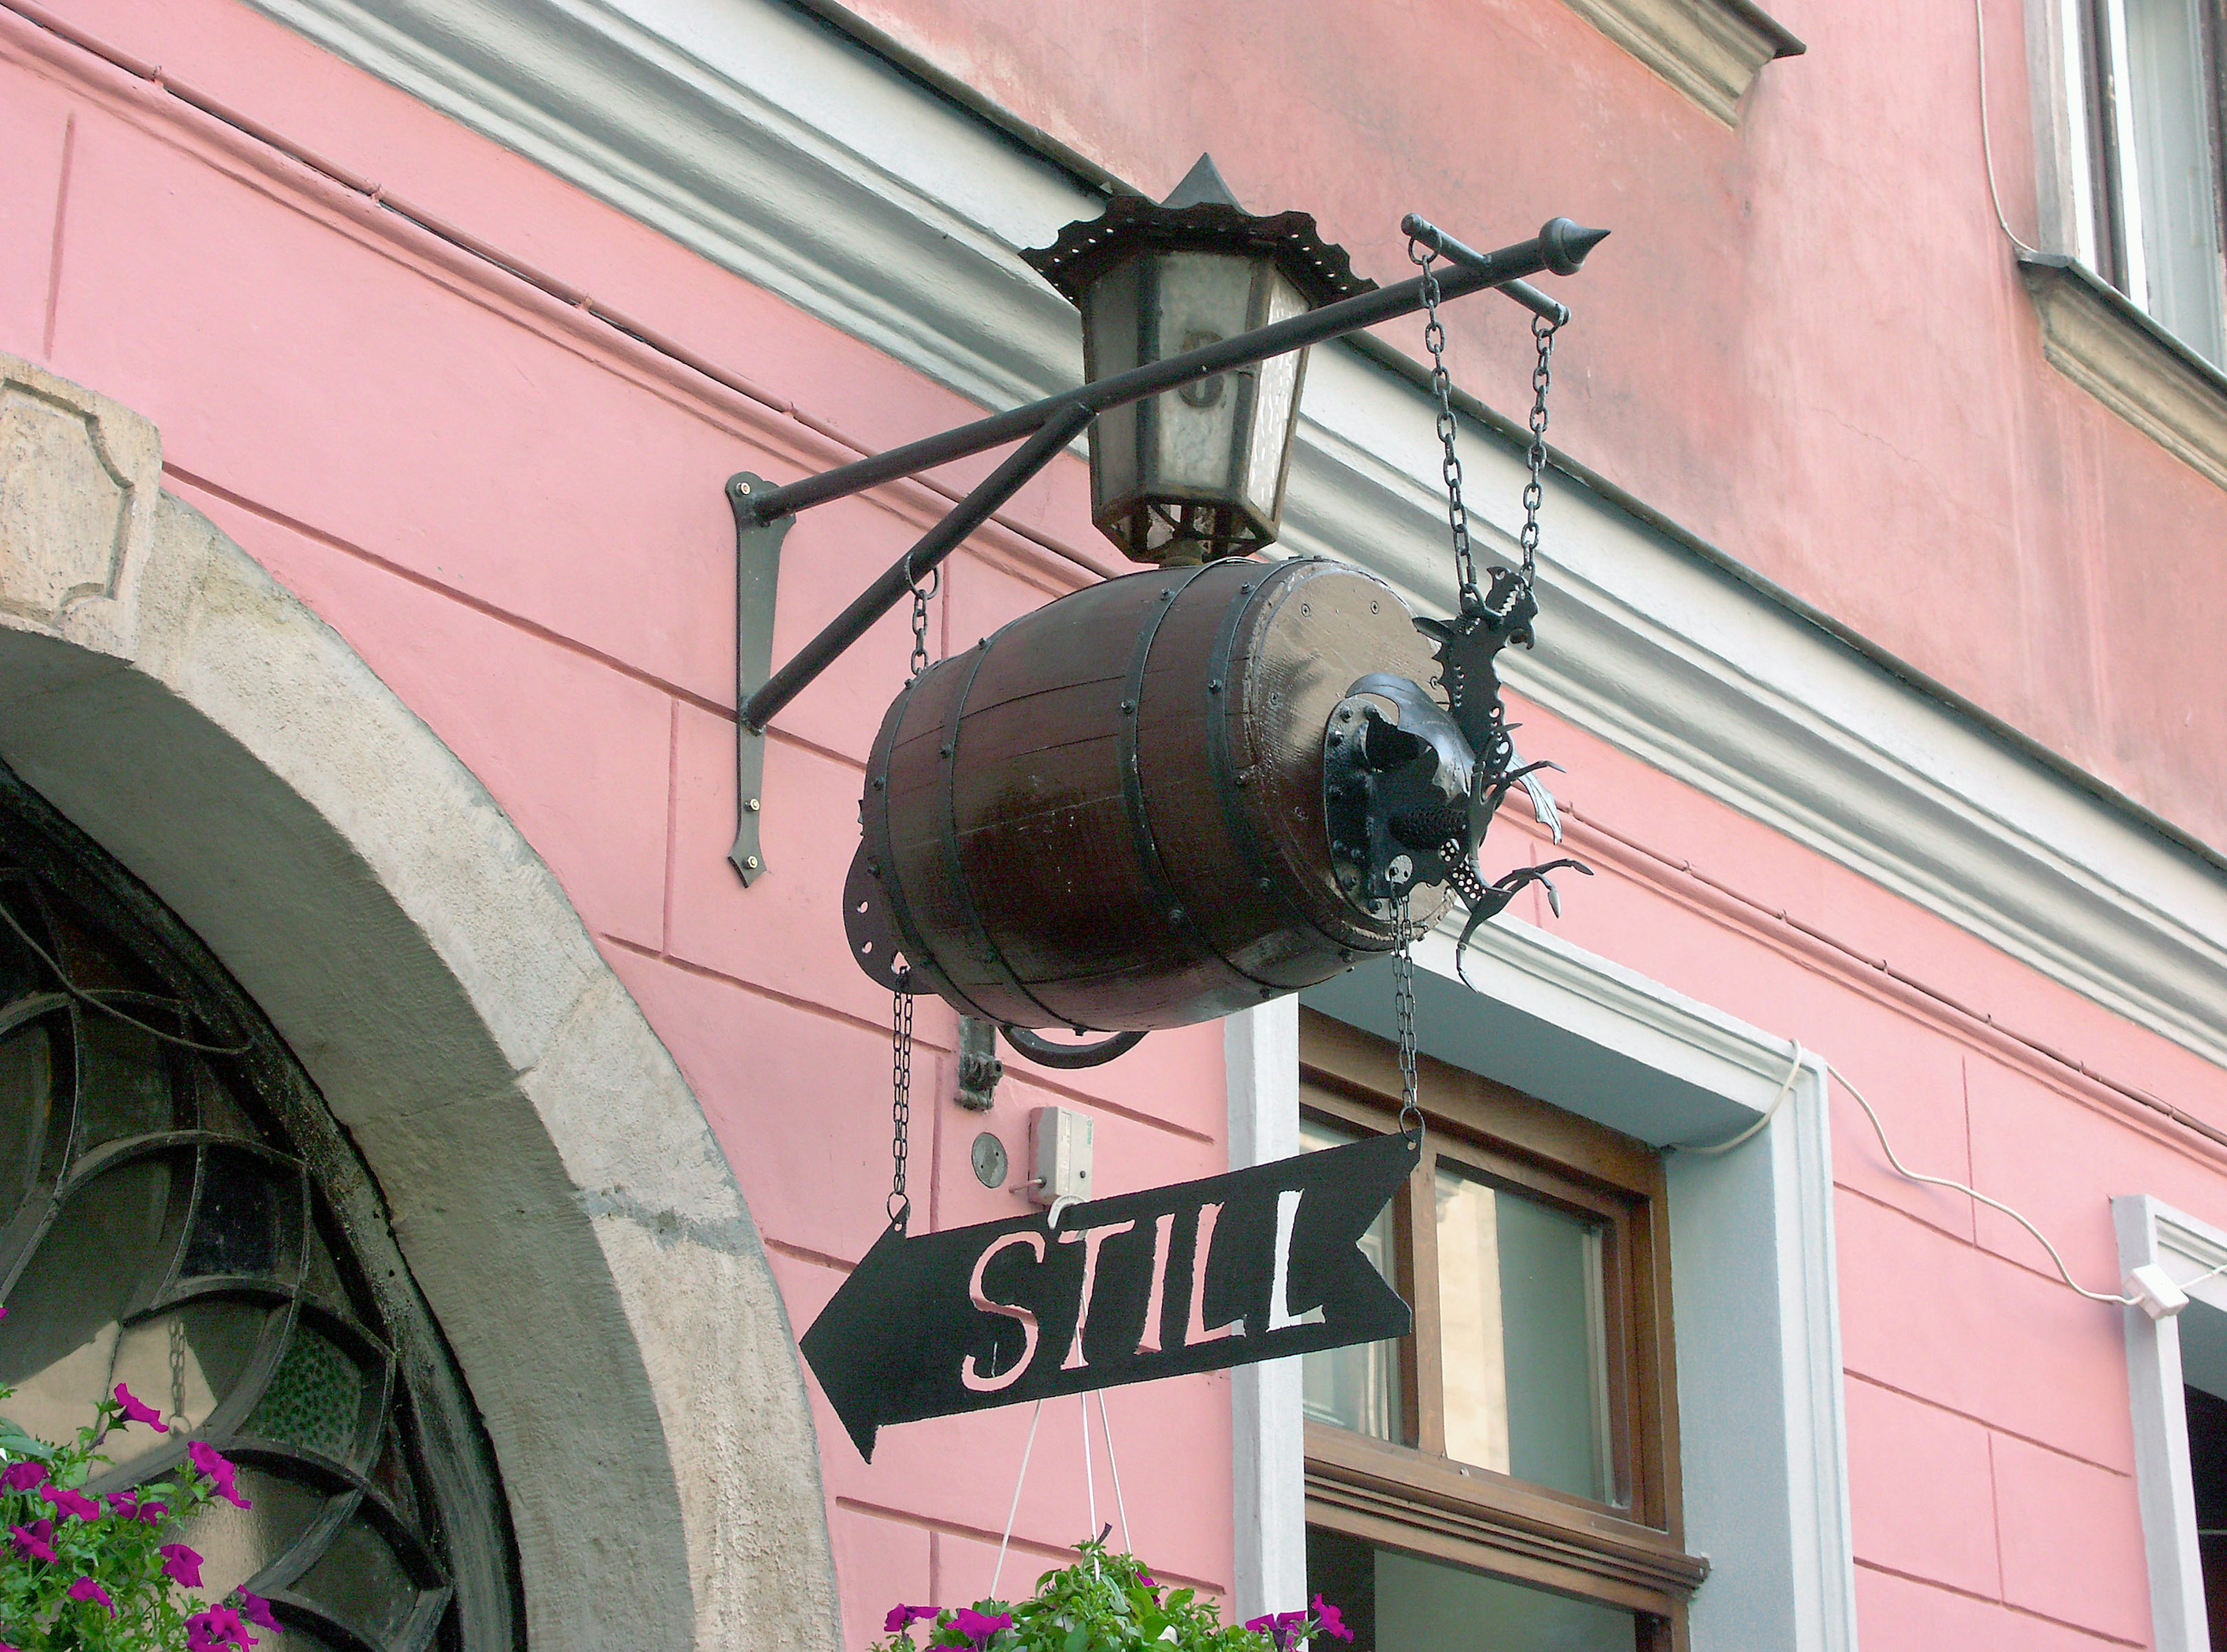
[1059, 1144]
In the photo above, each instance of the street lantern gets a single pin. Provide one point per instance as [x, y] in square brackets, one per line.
[1196, 472]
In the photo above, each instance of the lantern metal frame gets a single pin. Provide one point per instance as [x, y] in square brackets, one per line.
[765, 511]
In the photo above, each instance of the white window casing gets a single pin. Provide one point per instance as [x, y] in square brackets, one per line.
[1763, 1443]
[2153, 1233]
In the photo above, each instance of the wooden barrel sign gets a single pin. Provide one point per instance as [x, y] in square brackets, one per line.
[1109, 815]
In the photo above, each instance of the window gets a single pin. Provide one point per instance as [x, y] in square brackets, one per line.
[2147, 204]
[191, 1222]
[1513, 1463]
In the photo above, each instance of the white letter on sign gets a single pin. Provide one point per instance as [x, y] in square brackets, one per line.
[1279, 1313]
[982, 1382]
[1092, 1238]
[1201, 1246]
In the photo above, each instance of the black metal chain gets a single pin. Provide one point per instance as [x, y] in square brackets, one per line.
[919, 662]
[899, 1206]
[1542, 330]
[1403, 998]
[1434, 340]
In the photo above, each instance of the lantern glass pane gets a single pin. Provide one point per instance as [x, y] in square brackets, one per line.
[1276, 404]
[1111, 319]
[1200, 298]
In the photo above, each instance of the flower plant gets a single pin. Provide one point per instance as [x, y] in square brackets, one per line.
[1104, 1603]
[82, 1573]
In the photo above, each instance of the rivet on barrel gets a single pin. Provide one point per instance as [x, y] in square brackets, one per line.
[1214, 686]
[1128, 708]
[1175, 914]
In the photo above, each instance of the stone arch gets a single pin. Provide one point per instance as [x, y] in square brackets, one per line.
[552, 1180]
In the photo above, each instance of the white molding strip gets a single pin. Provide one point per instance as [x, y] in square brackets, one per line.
[1269, 1444]
[1710, 50]
[2097, 337]
[762, 140]
[1762, 1424]
[2153, 1232]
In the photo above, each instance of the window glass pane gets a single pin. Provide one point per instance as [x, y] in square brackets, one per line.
[1354, 1387]
[1402, 1603]
[2179, 210]
[1522, 1333]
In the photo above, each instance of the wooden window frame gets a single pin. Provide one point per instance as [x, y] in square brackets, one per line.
[1407, 1493]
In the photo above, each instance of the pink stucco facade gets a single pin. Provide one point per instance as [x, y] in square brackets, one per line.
[1805, 344]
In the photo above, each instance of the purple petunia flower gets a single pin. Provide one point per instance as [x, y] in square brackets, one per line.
[1332, 1621]
[1281, 1626]
[255, 1609]
[91, 1594]
[37, 1539]
[903, 1616]
[216, 1629]
[181, 1564]
[71, 1503]
[979, 1627]
[218, 1472]
[138, 1411]
[23, 1476]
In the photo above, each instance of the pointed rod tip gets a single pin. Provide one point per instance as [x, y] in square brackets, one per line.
[1567, 243]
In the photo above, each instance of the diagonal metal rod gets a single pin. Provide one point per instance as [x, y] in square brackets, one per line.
[1064, 425]
[1560, 247]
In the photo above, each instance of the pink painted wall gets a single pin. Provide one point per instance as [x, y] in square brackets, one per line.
[513, 512]
[1808, 341]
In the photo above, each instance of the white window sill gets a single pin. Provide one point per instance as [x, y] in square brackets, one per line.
[2094, 334]
[1710, 50]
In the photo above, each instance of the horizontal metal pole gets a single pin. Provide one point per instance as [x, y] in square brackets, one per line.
[1063, 425]
[1418, 228]
[1560, 247]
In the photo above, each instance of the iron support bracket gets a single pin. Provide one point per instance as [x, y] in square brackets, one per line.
[757, 572]
[763, 510]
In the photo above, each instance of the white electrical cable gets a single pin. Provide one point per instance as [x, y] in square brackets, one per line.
[1035, 1417]
[1986, 144]
[1907, 1174]
[1106, 1426]
[1770, 1113]
[1089, 1480]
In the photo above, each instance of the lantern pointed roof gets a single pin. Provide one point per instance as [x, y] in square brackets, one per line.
[1200, 214]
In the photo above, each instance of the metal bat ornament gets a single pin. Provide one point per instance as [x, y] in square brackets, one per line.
[1409, 802]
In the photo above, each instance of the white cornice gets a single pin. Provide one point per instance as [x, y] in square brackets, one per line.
[766, 142]
[1710, 50]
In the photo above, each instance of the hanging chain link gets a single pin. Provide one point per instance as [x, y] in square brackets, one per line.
[1403, 996]
[919, 662]
[1434, 340]
[1542, 330]
[899, 1205]
[178, 1371]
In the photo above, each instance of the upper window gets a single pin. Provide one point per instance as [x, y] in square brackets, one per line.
[178, 1213]
[1513, 1461]
[2148, 208]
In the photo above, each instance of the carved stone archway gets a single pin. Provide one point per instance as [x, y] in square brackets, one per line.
[552, 1180]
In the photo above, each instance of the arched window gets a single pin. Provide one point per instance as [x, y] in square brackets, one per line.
[180, 1212]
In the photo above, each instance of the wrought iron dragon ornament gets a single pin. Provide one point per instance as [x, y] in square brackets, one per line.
[1409, 802]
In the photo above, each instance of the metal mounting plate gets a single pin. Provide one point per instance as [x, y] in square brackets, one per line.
[757, 571]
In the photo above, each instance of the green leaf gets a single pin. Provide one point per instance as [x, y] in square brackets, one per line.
[1080, 1640]
[16, 1443]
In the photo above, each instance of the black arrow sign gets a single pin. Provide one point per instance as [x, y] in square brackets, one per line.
[1255, 1264]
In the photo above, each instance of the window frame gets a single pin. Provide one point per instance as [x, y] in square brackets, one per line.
[1407, 1493]
[2153, 1233]
[2106, 223]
